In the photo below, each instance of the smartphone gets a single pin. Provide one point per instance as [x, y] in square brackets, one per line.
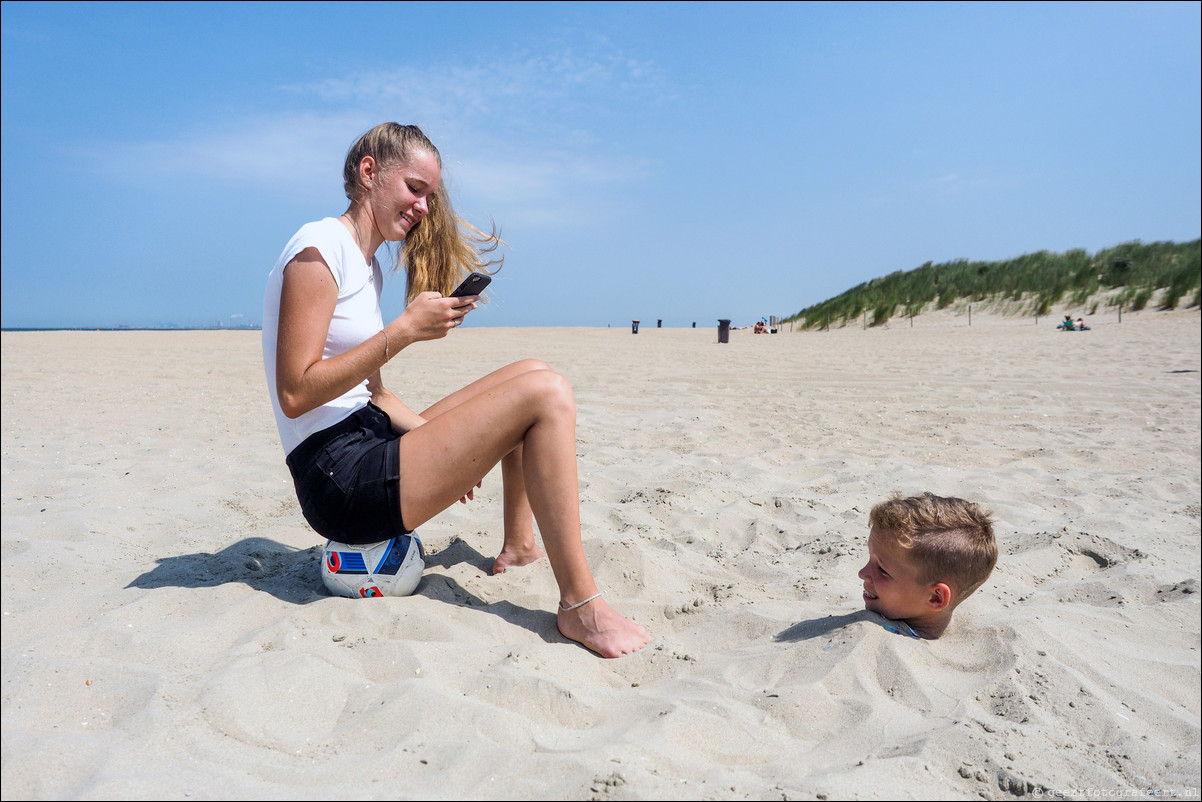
[472, 285]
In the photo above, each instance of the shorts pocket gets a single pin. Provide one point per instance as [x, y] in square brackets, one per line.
[338, 460]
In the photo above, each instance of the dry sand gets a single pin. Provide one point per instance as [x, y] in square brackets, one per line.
[166, 635]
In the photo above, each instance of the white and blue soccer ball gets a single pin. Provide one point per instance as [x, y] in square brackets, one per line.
[389, 568]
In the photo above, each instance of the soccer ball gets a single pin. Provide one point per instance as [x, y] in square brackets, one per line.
[389, 568]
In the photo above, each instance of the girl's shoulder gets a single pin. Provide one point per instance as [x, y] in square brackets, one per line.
[327, 230]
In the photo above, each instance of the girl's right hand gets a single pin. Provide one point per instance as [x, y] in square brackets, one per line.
[429, 316]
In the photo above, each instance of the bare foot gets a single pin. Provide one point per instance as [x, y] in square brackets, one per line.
[602, 629]
[515, 557]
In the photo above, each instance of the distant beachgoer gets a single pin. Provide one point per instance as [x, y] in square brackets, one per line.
[1067, 324]
[760, 327]
[926, 555]
[1081, 325]
[366, 467]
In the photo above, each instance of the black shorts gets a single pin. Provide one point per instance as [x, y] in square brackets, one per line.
[348, 478]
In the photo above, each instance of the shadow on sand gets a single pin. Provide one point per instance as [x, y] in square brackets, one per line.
[820, 627]
[294, 576]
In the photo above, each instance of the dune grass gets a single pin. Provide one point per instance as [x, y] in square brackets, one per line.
[1130, 274]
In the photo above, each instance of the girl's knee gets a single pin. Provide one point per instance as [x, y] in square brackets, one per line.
[553, 388]
[527, 365]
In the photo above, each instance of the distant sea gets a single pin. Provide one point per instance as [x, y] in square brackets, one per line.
[139, 328]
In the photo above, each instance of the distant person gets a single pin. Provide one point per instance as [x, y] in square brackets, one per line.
[366, 467]
[1081, 325]
[926, 555]
[1067, 324]
[761, 327]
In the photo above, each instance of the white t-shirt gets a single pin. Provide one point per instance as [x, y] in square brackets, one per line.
[356, 318]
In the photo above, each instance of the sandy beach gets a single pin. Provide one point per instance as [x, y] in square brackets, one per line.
[166, 634]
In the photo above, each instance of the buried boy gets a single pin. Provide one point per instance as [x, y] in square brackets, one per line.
[926, 555]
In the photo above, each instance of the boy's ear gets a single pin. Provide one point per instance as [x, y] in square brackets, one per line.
[940, 596]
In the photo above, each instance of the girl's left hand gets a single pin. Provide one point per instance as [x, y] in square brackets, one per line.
[471, 494]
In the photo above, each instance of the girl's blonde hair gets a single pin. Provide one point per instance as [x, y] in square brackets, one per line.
[441, 249]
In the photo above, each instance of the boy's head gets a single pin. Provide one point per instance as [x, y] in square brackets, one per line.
[926, 554]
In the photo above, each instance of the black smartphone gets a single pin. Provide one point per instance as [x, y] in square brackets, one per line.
[472, 285]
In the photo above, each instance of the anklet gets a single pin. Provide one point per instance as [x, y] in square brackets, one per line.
[579, 604]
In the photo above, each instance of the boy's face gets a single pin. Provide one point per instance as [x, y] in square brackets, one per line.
[891, 585]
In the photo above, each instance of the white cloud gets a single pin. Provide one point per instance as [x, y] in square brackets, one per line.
[518, 134]
[283, 151]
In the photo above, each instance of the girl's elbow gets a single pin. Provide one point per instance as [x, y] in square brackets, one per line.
[291, 406]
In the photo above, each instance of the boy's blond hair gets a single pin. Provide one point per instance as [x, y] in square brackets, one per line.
[950, 539]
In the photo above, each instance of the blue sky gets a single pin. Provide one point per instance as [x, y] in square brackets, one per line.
[681, 162]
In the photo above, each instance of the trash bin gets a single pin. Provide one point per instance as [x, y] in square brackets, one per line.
[659, 324]
[634, 327]
[723, 331]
